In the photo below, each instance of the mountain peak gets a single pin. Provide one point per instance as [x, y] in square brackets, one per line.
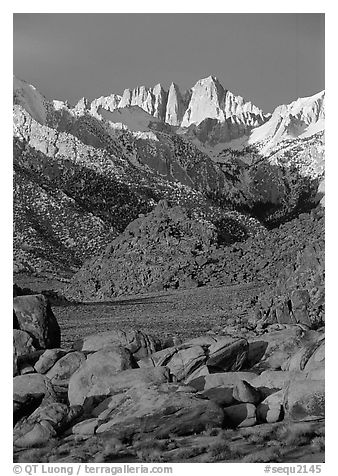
[209, 82]
[82, 105]
[173, 86]
[206, 102]
[27, 96]
[209, 79]
[301, 118]
[175, 106]
[158, 88]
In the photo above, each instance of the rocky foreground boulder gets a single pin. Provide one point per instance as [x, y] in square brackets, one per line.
[34, 315]
[138, 343]
[216, 353]
[305, 400]
[35, 328]
[22, 344]
[159, 411]
[92, 382]
[119, 386]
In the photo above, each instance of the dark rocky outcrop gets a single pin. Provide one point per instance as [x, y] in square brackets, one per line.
[35, 316]
[152, 253]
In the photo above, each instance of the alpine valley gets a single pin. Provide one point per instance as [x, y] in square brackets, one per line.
[179, 237]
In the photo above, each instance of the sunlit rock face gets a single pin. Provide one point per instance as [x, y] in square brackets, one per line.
[210, 100]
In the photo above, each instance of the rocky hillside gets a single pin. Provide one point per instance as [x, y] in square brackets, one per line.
[155, 252]
[167, 249]
[69, 204]
[285, 182]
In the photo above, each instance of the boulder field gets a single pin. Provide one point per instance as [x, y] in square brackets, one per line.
[120, 389]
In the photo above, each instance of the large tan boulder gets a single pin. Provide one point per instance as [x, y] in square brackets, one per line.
[308, 357]
[31, 384]
[42, 425]
[159, 358]
[158, 411]
[215, 352]
[305, 400]
[117, 356]
[245, 393]
[86, 427]
[64, 368]
[271, 409]
[222, 379]
[277, 379]
[48, 359]
[95, 380]
[34, 434]
[199, 372]
[182, 361]
[228, 354]
[271, 350]
[140, 344]
[185, 361]
[28, 389]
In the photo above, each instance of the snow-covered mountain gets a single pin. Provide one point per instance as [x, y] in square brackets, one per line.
[302, 118]
[207, 114]
[210, 100]
[153, 101]
[207, 99]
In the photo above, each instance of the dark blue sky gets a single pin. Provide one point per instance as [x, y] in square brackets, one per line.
[269, 58]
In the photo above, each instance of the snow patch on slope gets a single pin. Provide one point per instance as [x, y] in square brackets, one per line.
[131, 118]
[302, 118]
[27, 96]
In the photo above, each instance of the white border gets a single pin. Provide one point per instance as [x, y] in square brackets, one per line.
[62, 6]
